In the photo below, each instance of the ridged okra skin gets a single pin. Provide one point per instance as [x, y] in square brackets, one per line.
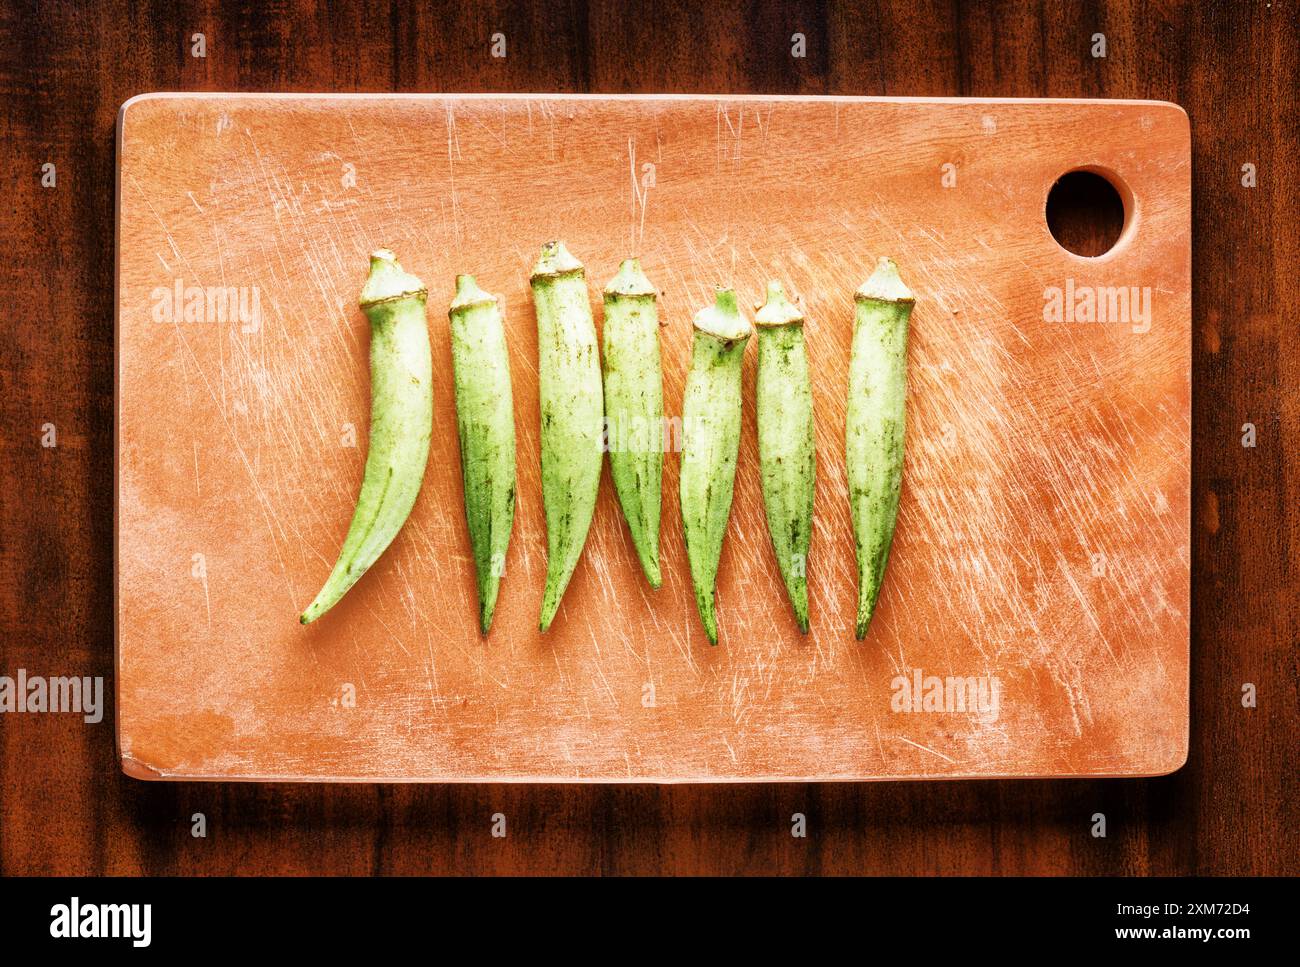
[711, 435]
[401, 421]
[786, 446]
[876, 425]
[634, 408]
[485, 422]
[572, 412]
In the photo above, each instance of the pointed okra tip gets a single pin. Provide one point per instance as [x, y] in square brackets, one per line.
[724, 320]
[778, 310]
[388, 280]
[885, 285]
[469, 294]
[313, 611]
[630, 280]
[555, 260]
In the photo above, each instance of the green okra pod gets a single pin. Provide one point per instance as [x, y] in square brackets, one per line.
[401, 421]
[485, 420]
[711, 437]
[786, 451]
[572, 410]
[634, 408]
[876, 425]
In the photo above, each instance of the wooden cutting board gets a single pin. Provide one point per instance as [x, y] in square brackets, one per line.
[1042, 552]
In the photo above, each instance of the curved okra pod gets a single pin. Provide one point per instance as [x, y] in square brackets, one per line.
[876, 422]
[785, 441]
[401, 419]
[572, 408]
[634, 408]
[711, 436]
[485, 420]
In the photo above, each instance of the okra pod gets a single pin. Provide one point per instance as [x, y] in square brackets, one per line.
[711, 438]
[401, 420]
[572, 408]
[485, 421]
[634, 408]
[876, 425]
[785, 441]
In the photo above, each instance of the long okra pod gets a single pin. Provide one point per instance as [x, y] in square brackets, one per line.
[401, 419]
[876, 424]
[711, 436]
[572, 408]
[785, 441]
[485, 420]
[634, 408]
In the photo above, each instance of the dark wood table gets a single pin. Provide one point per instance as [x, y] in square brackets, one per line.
[66, 67]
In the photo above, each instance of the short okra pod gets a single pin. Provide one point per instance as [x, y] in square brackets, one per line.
[711, 436]
[876, 425]
[634, 408]
[401, 421]
[786, 451]
[485, 421]
[572, 411]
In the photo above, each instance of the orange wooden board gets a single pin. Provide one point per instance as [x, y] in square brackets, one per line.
[1043, 532]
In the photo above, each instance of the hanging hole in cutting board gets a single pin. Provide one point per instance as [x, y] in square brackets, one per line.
[1086, 212]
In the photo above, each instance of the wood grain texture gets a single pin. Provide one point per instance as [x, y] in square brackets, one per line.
[64, 71]
[1042, 545]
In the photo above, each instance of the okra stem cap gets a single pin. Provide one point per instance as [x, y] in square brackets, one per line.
[778, 310]
[555, 260]
[469, 294]
[388, 281]
[723, 320]
[885, 285]
[630, 280]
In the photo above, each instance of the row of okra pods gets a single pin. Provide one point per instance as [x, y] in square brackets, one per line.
[580, 399]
